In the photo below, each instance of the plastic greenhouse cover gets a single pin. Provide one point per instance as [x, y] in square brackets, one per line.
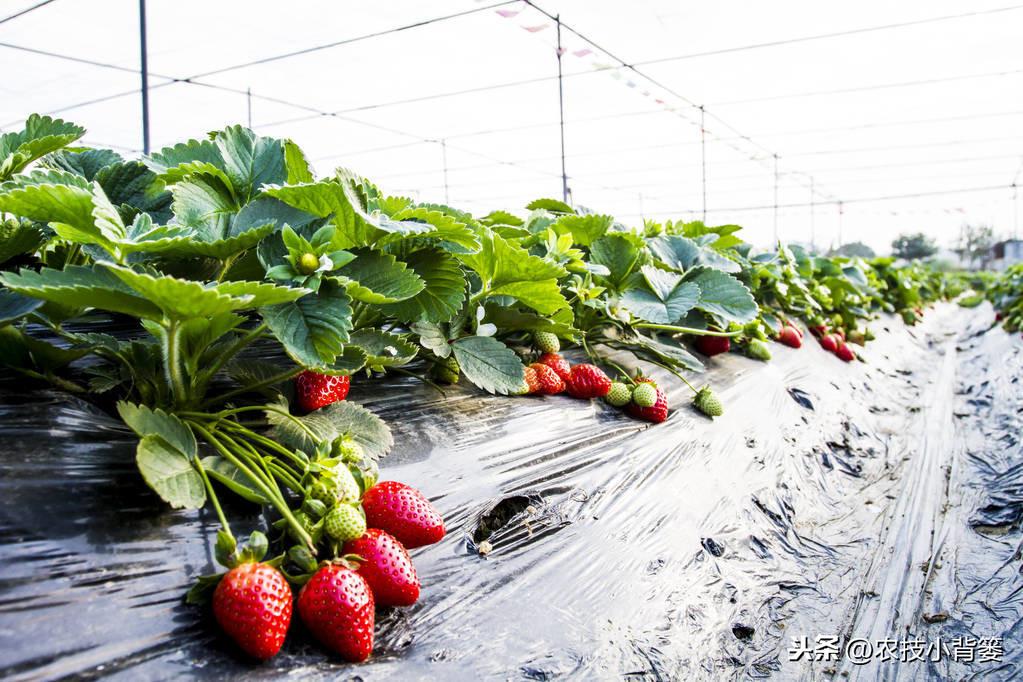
[874, 500]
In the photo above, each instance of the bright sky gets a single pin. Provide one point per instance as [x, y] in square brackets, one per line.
[931, 108]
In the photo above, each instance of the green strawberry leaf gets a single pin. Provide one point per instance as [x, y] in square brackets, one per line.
[552, 205]
[723, 295]
[145, 421]
[250, 160]
[328, 423]
[444, 290]
[296, 163]
[383, 349]
[14, 306]
[489, 364]
[502, 218]
[585, 229]
[457, 235]
[666, 299]
[82, 287]
[18, 237]
[512, 319]
[40, 136]
[509, 270]
[682, 253]
[622, 254]
[432, 337]
[169, 473]
[181, 298]
[313, 329]
[86, 162]
[377, 278]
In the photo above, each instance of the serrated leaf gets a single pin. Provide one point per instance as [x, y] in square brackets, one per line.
[344, 417]
[665, 301]
[52, 197]
[620, 254]
[180, 298]
[458, 236]
[18, 237]
[723, 295]
[682, 253]
[441, 298]
[383, 349]
[261, 293]
[433, 338]
[511, 319]
[585, 229]
[250, 160]
[313, 329]
[172, 164]
[170, 474]
[378, 277]
[296, 164]
[502, 218]
[552, 205]
[14, 306]
[509, 270]
[489, 364]
[146, 421]
[83, 287]
[86, 162]
[40, 136]
[230, 476]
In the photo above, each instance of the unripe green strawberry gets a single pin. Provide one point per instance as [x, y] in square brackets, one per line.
[758, 350]
[344, 522]
[644, 395]
[708, 403]
[347, 449]
[323, 491]
[755, 330]
[308, 263]
[347, 487]
[546, 342]
[446, 370]
[620, 394]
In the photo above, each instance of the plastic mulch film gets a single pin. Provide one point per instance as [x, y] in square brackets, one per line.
[878, 500]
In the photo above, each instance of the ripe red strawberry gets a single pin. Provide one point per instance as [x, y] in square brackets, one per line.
[314, 390]
[713, 345]
[588, 381]
[790, 337]
[558, 364]
[829, 343]
[656, 413]
[550, 382]
[252, 603]
[404, 512]
[818, 330]
[532, 380]
[998, 316]
[336, 606]
[844, 352]
[387, 568]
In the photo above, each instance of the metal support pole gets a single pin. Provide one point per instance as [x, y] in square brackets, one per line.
[703, 161]
[561, 109]
[444, 160]
[1015, 211]
[145, 76]
[775, 198]
[248, 105]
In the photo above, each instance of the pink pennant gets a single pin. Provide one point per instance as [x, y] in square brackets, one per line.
[509, 13]
[536, 29]
[561, 51]
[583, 52]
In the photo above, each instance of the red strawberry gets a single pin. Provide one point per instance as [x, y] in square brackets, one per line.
[387, 568]
[532, 380]
[336, 606]
[829, 343]
[558, 364]
[657, 413]
[252, 603]
[790, 337]
[314, 390]
[404, 512]
[713, 345]
[839, 335]
[998, 316]
[550, 382]
[588, 381]
[818, 330]
[844, 352]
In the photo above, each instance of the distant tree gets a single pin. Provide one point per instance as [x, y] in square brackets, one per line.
[854, 250]
[975, 242]
[914, 246]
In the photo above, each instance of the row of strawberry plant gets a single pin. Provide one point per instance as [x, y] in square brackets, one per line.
[210, 249]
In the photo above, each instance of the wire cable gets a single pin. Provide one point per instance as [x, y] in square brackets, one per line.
[25, 11]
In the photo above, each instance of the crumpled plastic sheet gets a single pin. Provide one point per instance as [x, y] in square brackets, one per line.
[874, 500]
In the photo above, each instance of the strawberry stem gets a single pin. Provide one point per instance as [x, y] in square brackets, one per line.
[213, 497]
[684, 330]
